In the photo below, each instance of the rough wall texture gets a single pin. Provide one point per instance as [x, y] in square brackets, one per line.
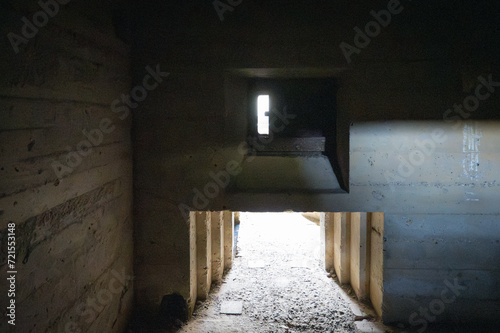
[446, 264]
[427, 59]
[73, 217]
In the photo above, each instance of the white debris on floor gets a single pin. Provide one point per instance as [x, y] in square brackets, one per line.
[231, 307]
[278, 281]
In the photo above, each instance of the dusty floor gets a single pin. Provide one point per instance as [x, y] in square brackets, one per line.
[278, 277]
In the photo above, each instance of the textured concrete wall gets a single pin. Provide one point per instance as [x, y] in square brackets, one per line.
[189, 133]
[71, 204]
[446, 264]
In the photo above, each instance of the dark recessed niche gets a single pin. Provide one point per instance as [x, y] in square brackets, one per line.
[295, 148]
[298, 108]
[302, 118]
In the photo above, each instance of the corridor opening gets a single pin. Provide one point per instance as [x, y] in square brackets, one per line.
[278, 280]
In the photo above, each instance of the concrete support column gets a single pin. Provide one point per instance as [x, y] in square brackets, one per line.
[217, 246]
[227, 221]
[236, 222]
[193, 270]
[327, 240]
[360, 254]
[203, 254]
[377, 261]
[341, 245]
[236, 216]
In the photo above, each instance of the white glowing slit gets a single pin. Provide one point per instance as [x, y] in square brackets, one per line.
[262, 118]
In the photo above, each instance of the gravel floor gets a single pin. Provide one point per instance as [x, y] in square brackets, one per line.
[278, 277]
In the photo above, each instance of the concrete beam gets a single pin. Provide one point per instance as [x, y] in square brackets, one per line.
[327, 240]
[217, 246]
[227, 220]
[341, 244]
[203, 254]
[360, 254]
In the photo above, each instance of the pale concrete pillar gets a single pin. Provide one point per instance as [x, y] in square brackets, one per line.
[203, 254]
[236, 222]
[326, 223]
[236, 216]
[360, 254]
[217, 246]
[341, 244]
[227, 220]
[322, 242]
[193, 271]
[377, 261]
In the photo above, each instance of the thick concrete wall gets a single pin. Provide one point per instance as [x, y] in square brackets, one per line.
[445, 263]
[412, 166]
[189, 133]
[73, 216]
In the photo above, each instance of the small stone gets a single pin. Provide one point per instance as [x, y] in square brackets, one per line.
[231, 307]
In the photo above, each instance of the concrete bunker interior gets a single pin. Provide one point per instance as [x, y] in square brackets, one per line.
[121, 119]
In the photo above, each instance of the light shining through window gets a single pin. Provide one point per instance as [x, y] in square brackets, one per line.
[263, 114]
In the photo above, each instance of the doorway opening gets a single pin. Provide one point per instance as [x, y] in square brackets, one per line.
[278, 280]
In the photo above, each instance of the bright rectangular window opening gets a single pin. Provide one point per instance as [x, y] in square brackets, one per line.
[263, 114]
